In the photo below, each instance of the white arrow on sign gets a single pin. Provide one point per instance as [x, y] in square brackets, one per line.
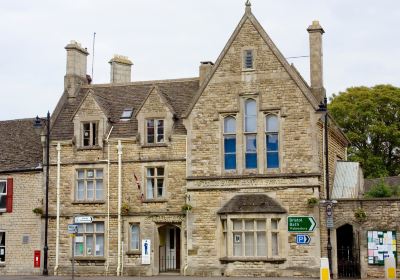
[313, 223]
[83, 220]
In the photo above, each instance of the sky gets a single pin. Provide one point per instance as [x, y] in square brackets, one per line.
[168, 39]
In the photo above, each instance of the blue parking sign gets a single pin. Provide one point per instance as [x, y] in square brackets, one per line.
[303, 239]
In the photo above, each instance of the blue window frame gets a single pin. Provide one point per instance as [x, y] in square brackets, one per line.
[229, 143]
[272, 141]
[250, 131]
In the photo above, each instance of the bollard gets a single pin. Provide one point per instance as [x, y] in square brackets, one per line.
[390, 267]
[324, 270]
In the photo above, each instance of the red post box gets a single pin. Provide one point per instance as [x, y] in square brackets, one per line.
[36, 258]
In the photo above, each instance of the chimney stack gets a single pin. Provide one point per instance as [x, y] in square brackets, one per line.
[204, 69]
[76, 68]
[120, 69]
[316, 64]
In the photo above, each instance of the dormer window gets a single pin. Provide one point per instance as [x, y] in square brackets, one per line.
[89, 133]
[155, 131]
[126, 114]
[248, 59]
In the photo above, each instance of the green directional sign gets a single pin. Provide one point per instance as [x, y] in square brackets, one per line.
[301, 223]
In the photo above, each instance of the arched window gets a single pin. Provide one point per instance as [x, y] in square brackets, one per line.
[229, 143]
[250, 131]
[272, 141]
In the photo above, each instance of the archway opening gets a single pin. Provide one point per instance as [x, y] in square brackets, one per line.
[348, 254]
[169, 248]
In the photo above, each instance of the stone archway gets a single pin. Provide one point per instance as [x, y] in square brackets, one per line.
[347, 252]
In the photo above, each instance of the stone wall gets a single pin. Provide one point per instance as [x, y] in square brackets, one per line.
[382, 214]
[23, 228]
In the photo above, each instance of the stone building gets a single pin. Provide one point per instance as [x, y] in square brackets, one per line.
[21, 181]
[196, 176]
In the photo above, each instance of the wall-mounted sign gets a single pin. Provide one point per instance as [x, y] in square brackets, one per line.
[72, 229]
[146, 249]
[83, 220]
[381, 244]
[303, 239]
[301, 223]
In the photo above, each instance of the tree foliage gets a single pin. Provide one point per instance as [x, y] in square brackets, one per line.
[370, 117]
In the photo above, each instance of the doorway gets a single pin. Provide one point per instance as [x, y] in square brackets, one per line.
[169, 249]
[348, 252]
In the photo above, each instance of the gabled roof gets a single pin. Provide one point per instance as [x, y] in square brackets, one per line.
[163, 100]
[114, 98]
[20, 146]
[252, 203]
[294, 74]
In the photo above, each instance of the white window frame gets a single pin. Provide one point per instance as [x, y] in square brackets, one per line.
[85, 181]
[3, 247]
[4, 194]
[156, 134]
[83, 234]
[269, 133]
[273, 250]
[156, 178]
[227, 135]
[131, 248]
[248, 133]
[93, 133]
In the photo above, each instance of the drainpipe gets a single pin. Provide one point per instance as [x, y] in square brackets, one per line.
[108, 201]
[119, 147]
[58, 206]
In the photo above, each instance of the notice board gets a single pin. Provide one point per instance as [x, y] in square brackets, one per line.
[381, 244]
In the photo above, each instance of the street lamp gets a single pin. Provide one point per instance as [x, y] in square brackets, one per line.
[323, 107]
[38, 125]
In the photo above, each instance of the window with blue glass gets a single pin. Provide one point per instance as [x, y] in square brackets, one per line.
[230, 143]
[250, 132]
[272, 141]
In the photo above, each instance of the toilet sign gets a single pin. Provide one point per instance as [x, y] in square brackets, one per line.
[146, 249]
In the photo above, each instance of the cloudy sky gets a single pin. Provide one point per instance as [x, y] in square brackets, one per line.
[168, 39]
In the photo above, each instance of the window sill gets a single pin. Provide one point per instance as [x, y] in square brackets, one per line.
[88, 148]
[252, 259]
[248, 69]
[155, 145]
[162, 200]
[134, 253]
[88, 202]
[89, 259]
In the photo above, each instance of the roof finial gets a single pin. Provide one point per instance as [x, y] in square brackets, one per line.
[248, 6]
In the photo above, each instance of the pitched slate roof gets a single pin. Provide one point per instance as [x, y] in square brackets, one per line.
[20, 146]
[114, 98]
[252, 203]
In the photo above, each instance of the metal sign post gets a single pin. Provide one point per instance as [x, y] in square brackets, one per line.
[73, 230]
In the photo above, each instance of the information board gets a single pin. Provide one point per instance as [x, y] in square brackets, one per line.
[381, 244]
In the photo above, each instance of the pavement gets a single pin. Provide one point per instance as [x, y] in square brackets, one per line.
[163, 277]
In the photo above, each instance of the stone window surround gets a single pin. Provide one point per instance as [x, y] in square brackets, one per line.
[78, 131]
[155, 127]
[74, 181]
[144, 183]
[4, 194]
[227, 252]
[243, 54]
[93, 257]
[142, 131]
[240, 137]
[131, 251]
